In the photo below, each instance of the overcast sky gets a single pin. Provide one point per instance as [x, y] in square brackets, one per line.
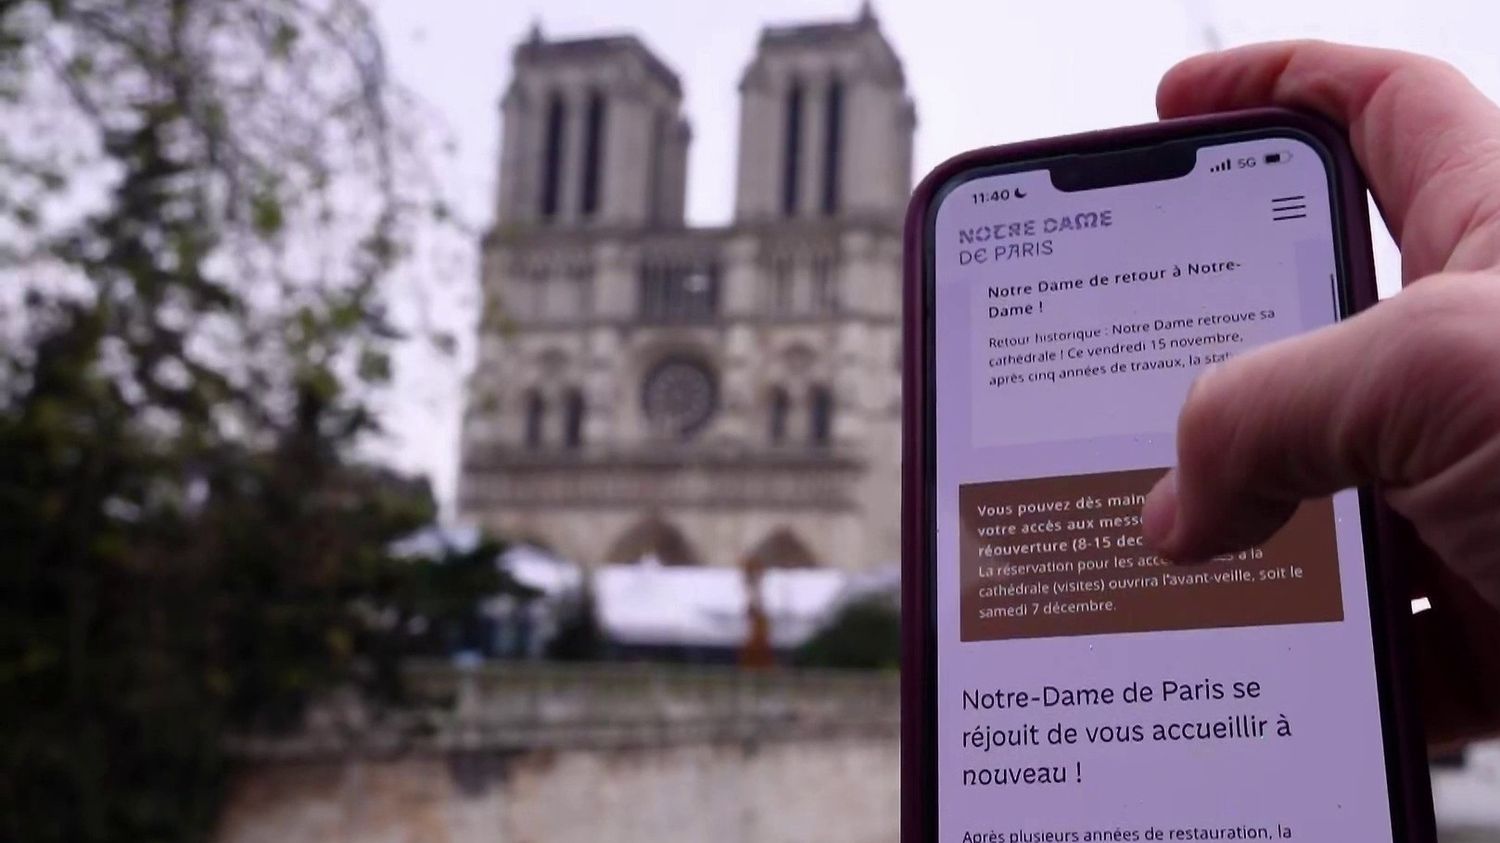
[981, 73]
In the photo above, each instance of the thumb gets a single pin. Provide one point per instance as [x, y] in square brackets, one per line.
[1384, 398]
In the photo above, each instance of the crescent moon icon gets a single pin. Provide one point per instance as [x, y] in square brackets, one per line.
[1020, 194]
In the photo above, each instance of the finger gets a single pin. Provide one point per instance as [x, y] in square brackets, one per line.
[1427, 139]
[1393, 397]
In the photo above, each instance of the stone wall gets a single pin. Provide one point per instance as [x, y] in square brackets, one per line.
[839, 789]
[618, 753]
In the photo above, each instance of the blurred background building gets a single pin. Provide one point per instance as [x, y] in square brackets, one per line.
[722, 396]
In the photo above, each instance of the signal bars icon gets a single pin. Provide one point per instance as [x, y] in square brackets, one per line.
[1221, 167]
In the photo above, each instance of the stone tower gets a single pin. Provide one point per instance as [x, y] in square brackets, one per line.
[724, 396]
[593, 136]
[825, 125]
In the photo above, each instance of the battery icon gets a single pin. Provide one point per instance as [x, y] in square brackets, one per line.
[1278, 157]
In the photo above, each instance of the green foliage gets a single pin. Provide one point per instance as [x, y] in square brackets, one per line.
[865, 635]
[441, 596]
[266, 213]
[188, 547]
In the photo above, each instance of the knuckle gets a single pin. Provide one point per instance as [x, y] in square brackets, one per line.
[1205, 424]
[1446, 333]
[1437, 67]
[1443, 373]
[1431, 66]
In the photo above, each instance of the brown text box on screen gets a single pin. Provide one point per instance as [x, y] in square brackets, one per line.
[1306, 542]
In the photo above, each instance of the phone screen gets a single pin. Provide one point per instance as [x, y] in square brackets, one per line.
[1086, 689]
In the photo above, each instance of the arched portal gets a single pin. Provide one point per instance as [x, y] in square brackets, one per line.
[781, 549]
[654, 537]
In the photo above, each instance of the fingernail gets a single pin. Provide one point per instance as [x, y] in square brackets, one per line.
[1159, 513]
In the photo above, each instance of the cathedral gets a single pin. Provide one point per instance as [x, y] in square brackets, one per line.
[703, 396]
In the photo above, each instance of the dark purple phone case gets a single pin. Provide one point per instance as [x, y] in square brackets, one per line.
[1410, 786]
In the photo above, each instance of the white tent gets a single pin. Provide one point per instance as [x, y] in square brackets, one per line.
[538, 569]
[650, 604]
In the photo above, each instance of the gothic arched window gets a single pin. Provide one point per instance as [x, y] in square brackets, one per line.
[833, 131]
[780, 409]
[552, 155]
[792, 149]
[574, 411]
[820, 415]
[593, 154]
[536, 417]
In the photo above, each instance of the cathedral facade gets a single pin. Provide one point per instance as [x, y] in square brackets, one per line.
[718, 396]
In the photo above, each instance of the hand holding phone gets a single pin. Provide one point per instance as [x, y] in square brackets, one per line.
[1406, 397]
[1064, 681]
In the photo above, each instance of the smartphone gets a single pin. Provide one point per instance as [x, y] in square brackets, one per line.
[1060, 682]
